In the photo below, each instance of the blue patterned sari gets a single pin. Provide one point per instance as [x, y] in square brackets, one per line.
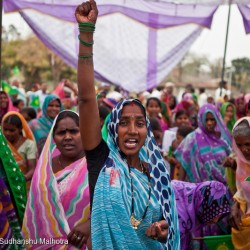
[110, 221]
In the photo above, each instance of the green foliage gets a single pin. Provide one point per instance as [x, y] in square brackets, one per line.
[35, 61]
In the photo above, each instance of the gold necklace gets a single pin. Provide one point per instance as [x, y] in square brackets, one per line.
[134, 222]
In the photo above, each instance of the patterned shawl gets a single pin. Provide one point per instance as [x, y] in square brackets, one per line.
[41, 126]
[13, 177]
[110, 221]
[57, 202]
[242, 172]
[9, 226]
[197, 205]
[223, 109]
[201, 154]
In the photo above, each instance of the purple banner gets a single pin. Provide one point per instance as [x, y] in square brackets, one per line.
[245, 12]
[153, 14]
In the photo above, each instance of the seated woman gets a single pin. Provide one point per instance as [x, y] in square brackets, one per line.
[133, 199]
[59, 194]
[41, 126]
[202, 152]
[240, 219]
[22, 143]
[199, 204]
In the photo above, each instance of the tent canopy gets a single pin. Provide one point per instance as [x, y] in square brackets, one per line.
[137, 43]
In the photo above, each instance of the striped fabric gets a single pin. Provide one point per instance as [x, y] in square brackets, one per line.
[57, 202]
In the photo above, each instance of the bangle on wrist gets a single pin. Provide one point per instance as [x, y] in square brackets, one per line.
[85, 56]
[85, 43]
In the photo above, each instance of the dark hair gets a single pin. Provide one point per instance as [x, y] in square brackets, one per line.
[154, 99]
[202, 90]
[16, 102]
[103, 112]
[29, 111]
[185, 130]
[181, 112]
[63, 115]
[14, 120]
[155, 124]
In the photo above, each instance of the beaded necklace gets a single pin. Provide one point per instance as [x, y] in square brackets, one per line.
[135, 223]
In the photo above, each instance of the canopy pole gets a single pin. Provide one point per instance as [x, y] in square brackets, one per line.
[225, 48]
[1, 25]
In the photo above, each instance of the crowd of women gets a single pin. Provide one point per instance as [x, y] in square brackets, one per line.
[126, 173]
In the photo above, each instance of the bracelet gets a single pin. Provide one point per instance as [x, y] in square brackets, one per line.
[86, 30]
[85, 56]
[87, 25]
[85, 43]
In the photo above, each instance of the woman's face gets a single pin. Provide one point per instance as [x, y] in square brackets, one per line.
[67, 138]
[3, 101]
[53, 109]
[158, 134]
[153, 108]
[182, 120]
[132, 130]
[20, 105]
[243, 143]
[210, 123]
[229, 111]
[11, 132]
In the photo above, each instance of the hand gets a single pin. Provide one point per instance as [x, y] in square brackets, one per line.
[79, 235]
[86, 12]
[235, 216]
[158, 231]
[229, 162]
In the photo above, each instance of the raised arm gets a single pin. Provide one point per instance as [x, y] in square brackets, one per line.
[86, 16]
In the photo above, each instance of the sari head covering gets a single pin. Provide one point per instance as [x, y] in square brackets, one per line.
[9, 107]
[41, 126]
[223, 109]
[13, 177]
[57, 201]
[110, 221]
[201, 154]
[9, 226]
[240, 238]
[27, 133]
[199, 204]
[240, 104]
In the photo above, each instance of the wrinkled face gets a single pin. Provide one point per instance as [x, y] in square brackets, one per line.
[3, 101]
[182, 120]
[243, 143]
[53, 109]
[132, 130]
[153, 108]
[11, 132]
[67, 138]
[210, 123]
[229, 111]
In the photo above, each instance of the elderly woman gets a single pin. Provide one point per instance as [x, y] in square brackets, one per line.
[134, 203]
[241, 209]
[59, 194]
